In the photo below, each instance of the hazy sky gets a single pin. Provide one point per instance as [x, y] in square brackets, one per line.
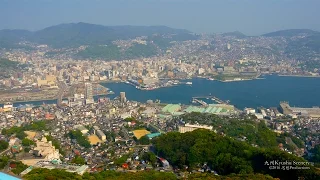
[252, 17]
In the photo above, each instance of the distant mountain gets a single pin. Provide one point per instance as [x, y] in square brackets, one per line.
[291, 32]
[77, 34]
[11, 38]
[302, 44]
[306, 48]
[236, 34]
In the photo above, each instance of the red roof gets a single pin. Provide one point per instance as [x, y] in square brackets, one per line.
[13, 165]
[125, 165]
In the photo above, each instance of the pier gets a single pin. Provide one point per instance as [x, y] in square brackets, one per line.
[196, 98]
[199, 101]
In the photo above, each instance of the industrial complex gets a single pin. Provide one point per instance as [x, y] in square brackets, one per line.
[313, 112]
[219, 109]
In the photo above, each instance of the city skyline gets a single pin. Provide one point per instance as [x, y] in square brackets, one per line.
[248, 17]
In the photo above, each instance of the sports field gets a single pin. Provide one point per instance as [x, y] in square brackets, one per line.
[139, 133]
[93, 139]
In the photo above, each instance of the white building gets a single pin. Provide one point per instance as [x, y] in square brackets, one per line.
[47, 150]
[82, 129]
[201, 71]
[249, 111]
[88, 91]
[190, 127]
[258, 115]
[101, 135]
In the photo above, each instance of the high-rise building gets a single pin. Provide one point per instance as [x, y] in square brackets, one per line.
[228, 46]
[123, 97]
[88, 91]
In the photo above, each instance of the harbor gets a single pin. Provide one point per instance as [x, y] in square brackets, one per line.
[215, 99]
[243, 94]
[155, 84]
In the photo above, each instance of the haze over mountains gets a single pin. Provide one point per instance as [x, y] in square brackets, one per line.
[85, 33]
[295, 43]
[77, 34]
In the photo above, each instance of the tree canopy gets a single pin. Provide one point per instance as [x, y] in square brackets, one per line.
[81, 140]
[113, 52]
[223, 154]
[19, 131]
[78, 160]
[250, 130]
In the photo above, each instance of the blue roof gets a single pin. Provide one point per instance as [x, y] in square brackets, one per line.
[150, 136]
[4, 176]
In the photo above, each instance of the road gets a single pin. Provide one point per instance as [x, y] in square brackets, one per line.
[63, 87]
[5, 150]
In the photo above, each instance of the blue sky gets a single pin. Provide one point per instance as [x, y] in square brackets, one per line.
[252, 17]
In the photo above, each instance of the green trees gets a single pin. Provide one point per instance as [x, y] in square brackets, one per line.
[251, 131]
[3, 145]
[45, 174]
[122, 159]
[19, 167]
[19, 131]
[223, 154]
[56, 144]
[78, 160]
[7, 64]
[140, 50]
[14, 130]
[113, 52]
[81, 140]
[36, 126]
[108, 52]
[144, 140]
[3, 161]
[316, 154]
[150, 157]
[27, 142]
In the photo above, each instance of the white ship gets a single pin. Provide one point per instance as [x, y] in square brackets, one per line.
[189, 83]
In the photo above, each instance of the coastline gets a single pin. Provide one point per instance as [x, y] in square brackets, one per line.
[289, 75]
[54, 99]
[255, 94]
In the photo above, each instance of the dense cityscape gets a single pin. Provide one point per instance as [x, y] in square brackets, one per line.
[90, 138]
[216, 57]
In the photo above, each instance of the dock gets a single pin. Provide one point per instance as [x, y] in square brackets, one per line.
[214, 98]
[199, 101]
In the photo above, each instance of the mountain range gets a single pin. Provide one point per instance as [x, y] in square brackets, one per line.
[77, 34]
[301, 44]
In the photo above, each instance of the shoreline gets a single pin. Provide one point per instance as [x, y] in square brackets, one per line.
[180, 83]
[55, 99]
[284, 75]
[196, 89]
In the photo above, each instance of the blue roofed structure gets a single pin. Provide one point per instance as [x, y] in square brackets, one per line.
[4, 176]
[150, 136]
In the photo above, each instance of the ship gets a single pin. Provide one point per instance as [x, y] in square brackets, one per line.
[189, 83]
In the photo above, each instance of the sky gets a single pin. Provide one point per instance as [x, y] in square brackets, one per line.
[251, 17]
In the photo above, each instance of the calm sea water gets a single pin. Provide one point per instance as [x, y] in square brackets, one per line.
[268, 92]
